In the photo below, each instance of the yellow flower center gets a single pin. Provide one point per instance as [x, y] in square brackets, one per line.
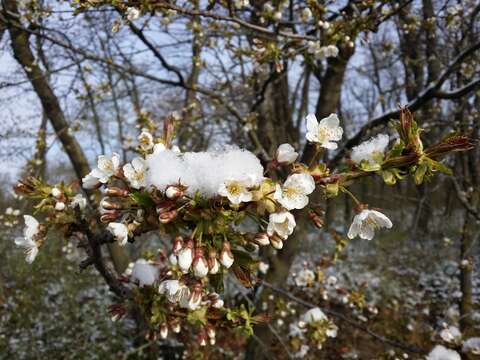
[234, 188]
[322, 134]
[290, 192]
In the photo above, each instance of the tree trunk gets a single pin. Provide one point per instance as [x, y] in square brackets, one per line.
[51, 106]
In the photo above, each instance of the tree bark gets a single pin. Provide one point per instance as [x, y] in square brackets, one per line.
[23, 54]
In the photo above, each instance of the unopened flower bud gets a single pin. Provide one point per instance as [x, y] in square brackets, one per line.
[173, 192]
[56, 192]
[202, 339]
[213, 263]
[168, 216]
[200, 266]
[164, 331]
[195, 298]
[211, 332]
[108, 205]
[226, 256]
[60, 206]
[185, 256]
[116, 192]
[177, 244]
[262, 239]
[109, 216]
[176, 327]
[316, 219]
[276, 242]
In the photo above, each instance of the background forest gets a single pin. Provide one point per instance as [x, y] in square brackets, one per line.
[82, 78]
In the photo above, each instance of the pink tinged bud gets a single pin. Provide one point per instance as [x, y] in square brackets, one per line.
[195, 297]
[276, 242]
[200, 265]
[60, 206]
[316, 219]
[176, 327]
[173, 192]
[262, 239]
[116, 192]
[185, 256]
[163, 331]
[202, 339]
[213, 264]
[211, 332]
[226, 256]
[109, 217]
[177, 244]
[168, 216]
[108, 205]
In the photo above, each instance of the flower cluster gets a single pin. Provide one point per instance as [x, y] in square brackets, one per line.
[218, 208]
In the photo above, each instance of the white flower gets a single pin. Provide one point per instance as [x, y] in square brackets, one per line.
[331, 280]
[80, 201]
[286, 154]
[326, 132]
[297, 329]
[263, 267]
[472, 345]
[174, 290]
[132, 13]
[119, 232]
[440, 352]
[60, 206]
[16, 212]
[56, 192]
[236, 191]
[106, 167]
[281, 223]
[306, 15]
[313, 315]
[9, 211]
[293, 193]
[267, 7]
[366, 222]
[31, 230]
[300, 354]
[136, 173]
[90, 181]
[451, 334]
[330, 51]
[144, 272]
[146, 140]
[371, 151]
[240, 4]
[305, 277]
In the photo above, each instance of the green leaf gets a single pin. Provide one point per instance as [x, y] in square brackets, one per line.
[143, 199]
[331, 190]
[420, 173]
[389, 177]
